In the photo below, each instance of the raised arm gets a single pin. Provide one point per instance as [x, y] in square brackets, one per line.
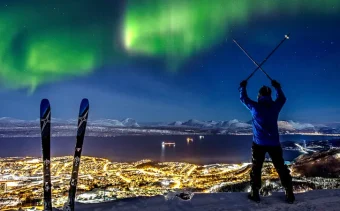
[280, 96]
[244, 96]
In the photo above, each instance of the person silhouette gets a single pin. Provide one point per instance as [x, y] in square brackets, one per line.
[265, 113]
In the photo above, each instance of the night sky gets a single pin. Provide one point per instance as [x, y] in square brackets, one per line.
[166, 60]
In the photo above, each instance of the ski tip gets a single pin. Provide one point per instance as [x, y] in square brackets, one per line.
[44, 106]
[84, 105]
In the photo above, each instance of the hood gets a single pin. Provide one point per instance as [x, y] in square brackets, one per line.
[265, 99]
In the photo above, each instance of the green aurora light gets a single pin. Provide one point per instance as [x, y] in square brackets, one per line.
[47, 42]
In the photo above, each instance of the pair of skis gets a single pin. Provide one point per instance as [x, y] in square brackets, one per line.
[45, 125]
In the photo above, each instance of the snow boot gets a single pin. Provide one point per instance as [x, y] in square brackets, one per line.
[254, 195]
[290, 198]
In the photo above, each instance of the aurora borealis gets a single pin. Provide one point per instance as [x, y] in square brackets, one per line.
[43, 43]
[161, 52]
[178, 28]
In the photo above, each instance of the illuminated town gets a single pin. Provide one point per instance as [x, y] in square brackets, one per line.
[102, 180]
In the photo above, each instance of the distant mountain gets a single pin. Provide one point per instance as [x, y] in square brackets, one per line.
[215, 127]
[212, 124]
[197, 123]
[235, 126]
[128, 122]
[107, 122]
[291, 126]
[10, 120]
[176, 123]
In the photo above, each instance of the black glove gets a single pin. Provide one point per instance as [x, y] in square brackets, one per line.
[276, 84]
[243, 83]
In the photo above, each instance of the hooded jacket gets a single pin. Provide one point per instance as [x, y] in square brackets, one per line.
[265, 114]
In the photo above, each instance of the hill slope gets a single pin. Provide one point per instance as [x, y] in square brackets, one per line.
[313, 200]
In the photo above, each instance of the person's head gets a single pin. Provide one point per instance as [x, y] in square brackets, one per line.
[264, 91]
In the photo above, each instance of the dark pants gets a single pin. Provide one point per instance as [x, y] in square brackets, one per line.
[258, 156]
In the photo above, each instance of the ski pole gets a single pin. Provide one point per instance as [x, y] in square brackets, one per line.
[246, 53]
[271, 53]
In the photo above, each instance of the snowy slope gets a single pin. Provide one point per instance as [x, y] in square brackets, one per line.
[319, 200]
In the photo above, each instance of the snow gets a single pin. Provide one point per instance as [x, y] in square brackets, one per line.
[291, 125]
[197, 123]
[318, 200]
[176, 123]
[233, 124]
[236, 124]
[11, 120]
[300, 126]
[128, 122]
[284, 125]
[107, 122]
[10, 127]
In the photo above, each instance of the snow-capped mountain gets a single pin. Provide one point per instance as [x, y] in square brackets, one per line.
[212, 124]
[291, 126]
[176, 123]
[197, 123]
[10, 120]
[106, 122]
[235, 126]
[15, 127]
[128, 122]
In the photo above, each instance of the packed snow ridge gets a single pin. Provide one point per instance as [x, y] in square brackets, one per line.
[325, 200]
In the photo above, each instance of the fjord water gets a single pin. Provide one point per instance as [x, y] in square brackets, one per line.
[211, 149]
